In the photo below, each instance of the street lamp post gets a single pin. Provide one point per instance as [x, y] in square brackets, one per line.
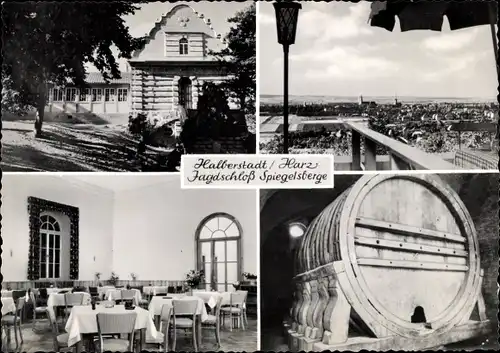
[287, 14]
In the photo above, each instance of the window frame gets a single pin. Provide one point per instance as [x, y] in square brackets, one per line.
[199, 257]
[109, 95]
[122, 94]
[184, 46]
[52, 236]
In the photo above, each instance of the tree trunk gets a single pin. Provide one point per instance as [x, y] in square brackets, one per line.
[40, 110]
[242, 102]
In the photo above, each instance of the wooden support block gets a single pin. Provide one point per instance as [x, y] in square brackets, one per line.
[457, 334]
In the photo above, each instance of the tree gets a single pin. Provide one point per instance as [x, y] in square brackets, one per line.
[50, 42]
[239, 58]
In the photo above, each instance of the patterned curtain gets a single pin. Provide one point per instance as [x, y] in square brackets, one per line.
[37, 206]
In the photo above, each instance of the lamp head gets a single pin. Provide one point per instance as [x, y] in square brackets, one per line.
[287, 14]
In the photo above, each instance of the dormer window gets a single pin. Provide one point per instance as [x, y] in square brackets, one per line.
[183, 46]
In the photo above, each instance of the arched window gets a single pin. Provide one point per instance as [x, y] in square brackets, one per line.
[50, 247]
[183, 46]
[218, 246]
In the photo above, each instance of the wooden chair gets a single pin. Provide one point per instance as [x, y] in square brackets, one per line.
[116, 324]
[15, 320]
[213, 321]
[71, 300]
[166, 318]
[60, 340]
[36, 309]
[187, 310]
[245, 306]
[128, 295]
[94, 293]
[235, 309]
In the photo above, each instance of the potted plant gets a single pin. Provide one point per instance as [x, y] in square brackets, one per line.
[134, 278]
[194, 279]
[113, 279]
[97, 276]
[250, 277]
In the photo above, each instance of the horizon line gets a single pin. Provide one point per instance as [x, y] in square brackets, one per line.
[369, 95]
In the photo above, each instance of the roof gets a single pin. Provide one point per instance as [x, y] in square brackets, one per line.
[198, 24]
[96, 77]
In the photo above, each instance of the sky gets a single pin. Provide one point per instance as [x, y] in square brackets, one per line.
[337, 53]
[144, 19]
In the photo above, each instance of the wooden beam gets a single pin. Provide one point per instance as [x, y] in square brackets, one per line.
[391, 227]
[413, 156]
[409, 246]
[421, 265]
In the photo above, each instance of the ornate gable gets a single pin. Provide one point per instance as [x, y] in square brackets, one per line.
[180, 35]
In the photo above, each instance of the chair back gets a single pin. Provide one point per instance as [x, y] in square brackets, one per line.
[20, 305]
[16, 294]
[238, 298]
[32, 298]
[217, 307]
[72, 299]
[51, 315]
[185, 307]
[128, 294]
[170, 289]
[178, 289]
[167, 312]
[42, 293]
[116, 323]
[93, 291]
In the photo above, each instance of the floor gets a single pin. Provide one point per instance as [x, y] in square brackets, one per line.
[273, 339]
[236, 341]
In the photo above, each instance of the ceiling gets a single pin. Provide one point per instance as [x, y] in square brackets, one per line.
[125, 181]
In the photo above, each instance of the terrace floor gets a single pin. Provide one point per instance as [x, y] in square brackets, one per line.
[236, 341]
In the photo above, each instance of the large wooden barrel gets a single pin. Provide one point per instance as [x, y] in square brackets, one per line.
[410, 253]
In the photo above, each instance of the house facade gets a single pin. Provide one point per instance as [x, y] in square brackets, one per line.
[168, 72]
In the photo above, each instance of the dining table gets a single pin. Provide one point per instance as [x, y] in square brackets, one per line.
[6, 293]
[82, 325]
[157, 303]
[153, 290]
[8, 305]
[57, 299]
[115, 294]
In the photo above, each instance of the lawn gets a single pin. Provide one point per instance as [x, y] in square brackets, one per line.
[73, 147]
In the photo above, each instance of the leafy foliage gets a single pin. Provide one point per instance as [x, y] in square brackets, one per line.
[214, 118]
[194, 278]
[113, 279]
[239, 58]
[50, 42]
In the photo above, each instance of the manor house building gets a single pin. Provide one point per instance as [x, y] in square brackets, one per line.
[169, 71]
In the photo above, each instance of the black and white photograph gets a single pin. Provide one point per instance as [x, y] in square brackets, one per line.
[381, 262]
[380, 85]
[126, 263]
[123, 86]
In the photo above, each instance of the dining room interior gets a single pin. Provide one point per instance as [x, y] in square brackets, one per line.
[126, 263]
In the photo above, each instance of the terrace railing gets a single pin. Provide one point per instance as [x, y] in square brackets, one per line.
[402, 156]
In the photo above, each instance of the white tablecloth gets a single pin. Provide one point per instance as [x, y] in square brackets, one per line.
[103, 290]
[152, 290]
[8, 305]
[56, 299]
[84, 320]
[157, 303]
[115, 294]
[57, 290]
[210, 298]
[6, 293]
